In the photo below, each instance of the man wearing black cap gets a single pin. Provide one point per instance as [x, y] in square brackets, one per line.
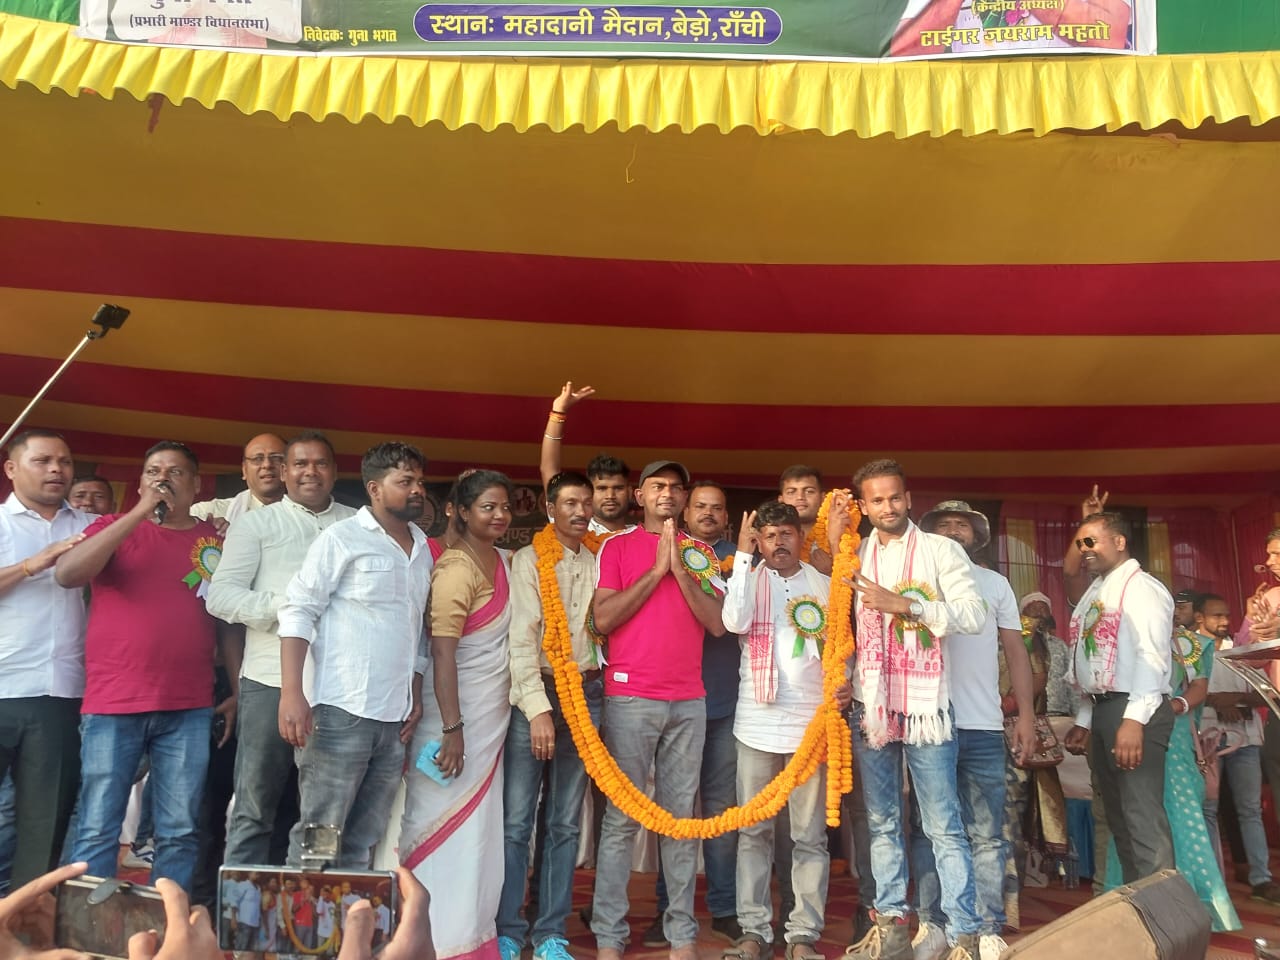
[974, 684]
[658, 590]
[1184, 612]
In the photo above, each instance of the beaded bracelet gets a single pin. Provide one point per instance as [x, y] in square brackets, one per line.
[453, 727]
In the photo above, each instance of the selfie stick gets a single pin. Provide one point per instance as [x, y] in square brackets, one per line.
[109, 317]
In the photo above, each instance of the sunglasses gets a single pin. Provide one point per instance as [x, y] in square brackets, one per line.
[1087, 543]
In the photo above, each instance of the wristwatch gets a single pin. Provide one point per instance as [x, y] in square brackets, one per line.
[917, 609]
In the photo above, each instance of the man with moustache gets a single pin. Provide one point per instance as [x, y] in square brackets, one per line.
[974, 681]
[264, 549]
[1231, 706]
[610, 477]
[261, 469]
[41, 651]
[780, 690]
[539, 747]
[1122, 632]
[655, 614]
[707, 517]
[800, 486]
[92, 494]
[915, 591]
[149, 654]
[357, 605]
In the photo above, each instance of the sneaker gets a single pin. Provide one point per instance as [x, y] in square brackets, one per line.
[141, 856]
[990, 947]
[966, 948]
[552, 948]
[930, 942]
[889, 939]
[726, 928]
[654, 935]
[508, 948]
[1266, 892]
[862, 924]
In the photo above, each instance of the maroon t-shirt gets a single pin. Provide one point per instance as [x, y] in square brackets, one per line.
[150, 643]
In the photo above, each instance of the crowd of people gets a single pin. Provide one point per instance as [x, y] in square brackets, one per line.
[359, 667]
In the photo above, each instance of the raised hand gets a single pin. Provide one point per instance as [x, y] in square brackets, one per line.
[1094, 503]
[748, 537]
[666, 548]
[568, 397]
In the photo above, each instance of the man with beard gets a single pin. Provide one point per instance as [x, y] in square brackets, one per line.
[1122, 632]
[800, 486]
[914, 592]
[610, 477]
[1184, 612]
[974, 682]
[41, 653]
[707, 518]
[262, 470]
[655, 613]
[357, 604]
[264, 549]
[540, 753]
[1231, 706]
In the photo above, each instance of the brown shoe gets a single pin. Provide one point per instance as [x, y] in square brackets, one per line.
[749, 947]
[803, 950]
[889, 939]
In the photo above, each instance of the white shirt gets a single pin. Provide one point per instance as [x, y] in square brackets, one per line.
[596, 527]
[261, 554]
[348, 900]
[248, 904]
[360, 601]
[324, 919]
[972, 659]
[1144, 645]
[41, 623]
[229, 509]
[959, 609]
[776, 727]
[1222, 679]
[382, 918]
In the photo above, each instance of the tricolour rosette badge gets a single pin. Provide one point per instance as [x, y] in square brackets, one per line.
[204, 557]
[810, 620]
[701, 562]
[914, 590]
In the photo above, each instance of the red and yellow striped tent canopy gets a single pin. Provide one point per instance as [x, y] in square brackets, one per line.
[932, 262]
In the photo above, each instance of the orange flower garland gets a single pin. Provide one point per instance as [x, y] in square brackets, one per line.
[837, 652]
[818, 532]
[603, 769]
[594, 541]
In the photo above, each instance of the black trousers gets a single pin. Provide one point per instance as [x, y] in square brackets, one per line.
[40, 747]
[1134, 799]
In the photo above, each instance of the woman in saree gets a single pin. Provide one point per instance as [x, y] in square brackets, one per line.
[1184, 784]
[451, 837]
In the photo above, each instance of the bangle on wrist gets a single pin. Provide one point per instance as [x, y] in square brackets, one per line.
[556, 417]
[1186, 707]
[550, 437]
[452, 727]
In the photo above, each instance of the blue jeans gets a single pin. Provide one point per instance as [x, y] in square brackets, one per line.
[566, 786]
[980, 781]
[1243, 770]
[933, 779]
[111, 746]
[717, 793]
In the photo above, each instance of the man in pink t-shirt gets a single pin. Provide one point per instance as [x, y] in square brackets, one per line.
[149, 652]
[650, 602]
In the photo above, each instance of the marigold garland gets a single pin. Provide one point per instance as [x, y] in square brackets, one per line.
[331, 943]
[594, 541]
[839, 648]
[818, 532]
[626, 796]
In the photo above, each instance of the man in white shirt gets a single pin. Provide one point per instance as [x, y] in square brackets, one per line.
[778, 611]
[358, 603]
[262, 471]
[540, 755]
[247, 915]
[1231, 706]
[973, 677]
[1122, 633]
[263, 550]
[914, 592]
[324, 915]
[41, 649]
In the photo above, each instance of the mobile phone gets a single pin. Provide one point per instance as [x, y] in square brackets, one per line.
[103, 928]
[291, 911]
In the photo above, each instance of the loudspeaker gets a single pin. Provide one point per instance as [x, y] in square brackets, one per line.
[1158, 918]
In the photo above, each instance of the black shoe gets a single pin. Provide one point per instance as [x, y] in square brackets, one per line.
[862, 924]
[726, 928]
[1266, 892]
[655, 936]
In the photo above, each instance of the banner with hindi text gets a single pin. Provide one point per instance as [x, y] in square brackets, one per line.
[781, 30]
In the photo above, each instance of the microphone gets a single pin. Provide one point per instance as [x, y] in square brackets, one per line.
[162, 508]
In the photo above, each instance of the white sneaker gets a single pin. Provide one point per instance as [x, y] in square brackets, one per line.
[929, 943]
[990, 947]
